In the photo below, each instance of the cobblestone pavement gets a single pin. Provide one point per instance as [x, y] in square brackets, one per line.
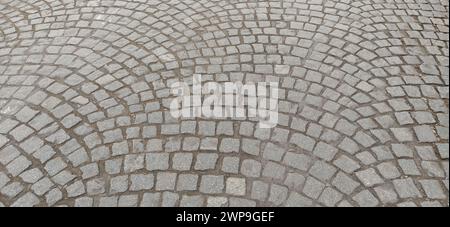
[84, 97]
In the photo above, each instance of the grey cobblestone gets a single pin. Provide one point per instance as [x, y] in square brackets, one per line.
[344, 183]
[366, 199]
[165, 181]
[369, 177]
[141, 182]
[313, 188]
[212, 184]
[251, 168]
[406, 188]
[236, 186]
[387, 194]
[206, 161]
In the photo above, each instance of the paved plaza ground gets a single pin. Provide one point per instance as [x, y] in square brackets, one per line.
[363, 109]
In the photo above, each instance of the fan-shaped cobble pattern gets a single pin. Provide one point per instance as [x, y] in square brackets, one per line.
[363, 109]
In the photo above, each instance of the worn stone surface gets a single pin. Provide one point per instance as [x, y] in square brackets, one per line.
[363, 109]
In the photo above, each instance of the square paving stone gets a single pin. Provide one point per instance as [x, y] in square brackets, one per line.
[211, 184]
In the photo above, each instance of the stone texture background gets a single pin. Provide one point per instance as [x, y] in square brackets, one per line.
[84, 100]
